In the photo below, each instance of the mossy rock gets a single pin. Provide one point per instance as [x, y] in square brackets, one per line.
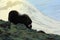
[21, 32]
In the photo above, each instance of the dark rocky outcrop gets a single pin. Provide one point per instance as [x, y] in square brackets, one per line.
[20, 32]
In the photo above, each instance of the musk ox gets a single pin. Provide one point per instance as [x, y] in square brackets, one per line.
[16, 18]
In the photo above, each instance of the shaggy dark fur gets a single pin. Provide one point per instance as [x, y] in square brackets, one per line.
[15, 18]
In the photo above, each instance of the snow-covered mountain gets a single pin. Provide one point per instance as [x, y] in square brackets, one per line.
[40, 21]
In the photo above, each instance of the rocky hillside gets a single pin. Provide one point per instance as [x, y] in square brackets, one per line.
[9, 31]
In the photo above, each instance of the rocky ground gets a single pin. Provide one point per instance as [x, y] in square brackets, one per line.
[9, 31]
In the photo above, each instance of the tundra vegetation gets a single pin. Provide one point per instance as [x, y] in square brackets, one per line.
[10, 31]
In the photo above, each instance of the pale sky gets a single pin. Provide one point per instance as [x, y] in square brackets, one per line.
[40, 21]
[48, 7]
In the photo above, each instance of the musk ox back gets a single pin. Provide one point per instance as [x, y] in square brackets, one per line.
[16, 18]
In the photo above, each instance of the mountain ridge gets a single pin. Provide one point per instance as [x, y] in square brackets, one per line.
[9, 31]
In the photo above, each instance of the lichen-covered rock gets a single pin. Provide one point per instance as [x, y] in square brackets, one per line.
[21, 32]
